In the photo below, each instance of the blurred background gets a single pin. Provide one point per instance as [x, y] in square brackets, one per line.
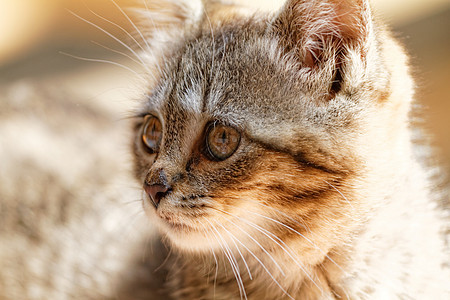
[34, 34]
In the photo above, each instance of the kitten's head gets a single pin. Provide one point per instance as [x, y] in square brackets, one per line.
[264, 127]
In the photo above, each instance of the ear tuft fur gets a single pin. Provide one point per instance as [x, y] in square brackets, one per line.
[164, 24]
[160, 14]
[164, 21]
[318, 29]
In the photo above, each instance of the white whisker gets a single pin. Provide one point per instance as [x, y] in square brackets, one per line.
[164, 261]
[284, 214]
[129, 202]
[118, 52]
[221, 61]
[303, 236]
[156, 30]
[265, 269]
[283, 246]
[215, 260]
[113, 37]
[233, 238]
[149, 49]
[233, 263]
[264, 250]
[132, 24]
[101, 61]
[335, 188]
[239, 251]
[118, 26]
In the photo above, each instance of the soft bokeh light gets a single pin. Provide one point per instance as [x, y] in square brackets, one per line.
[23, 24]
[26, 26]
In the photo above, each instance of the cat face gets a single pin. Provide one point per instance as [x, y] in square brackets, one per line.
[252, 132]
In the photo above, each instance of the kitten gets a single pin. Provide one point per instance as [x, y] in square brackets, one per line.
[273, 153]
[276, 157]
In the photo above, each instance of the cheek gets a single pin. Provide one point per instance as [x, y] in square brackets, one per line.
[220, 177]
[278, 181]
[263, 198]
[285, 200]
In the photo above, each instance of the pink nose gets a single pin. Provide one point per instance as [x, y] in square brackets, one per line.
[156, 192]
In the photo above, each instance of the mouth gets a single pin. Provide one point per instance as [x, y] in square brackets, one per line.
[176, 225]
[178, 214]
[179, 219]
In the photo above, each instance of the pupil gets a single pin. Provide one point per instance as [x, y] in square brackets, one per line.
[222, 141]
[153, 131]
[223, 137]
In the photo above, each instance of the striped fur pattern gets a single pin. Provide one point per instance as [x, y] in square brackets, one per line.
[323, 198]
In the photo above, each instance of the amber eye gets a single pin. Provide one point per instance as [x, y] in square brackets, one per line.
[152, 132]
[222, 141]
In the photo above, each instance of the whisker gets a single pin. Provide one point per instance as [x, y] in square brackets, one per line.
[156, 30]
[149, 49]
[300, 224]
[335, 188]
[265, 269]
[131, 202]
[233, 238]
[264, 250]
[215, 260]
[146, 246]
[230, 257]
[119, 27]
[112, 36]
[284, 214]
[132, 23]
[303, 236]
[237, 268]
[118, 52]
[101, 61]
[285, 248]
[221, 61]
[237, 248]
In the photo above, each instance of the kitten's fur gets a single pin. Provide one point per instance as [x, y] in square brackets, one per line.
[323, 198]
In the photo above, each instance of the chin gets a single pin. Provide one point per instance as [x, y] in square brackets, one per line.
[186, 233]
[190, 241]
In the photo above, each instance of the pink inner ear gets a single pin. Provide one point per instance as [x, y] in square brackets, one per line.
[349, 18]
[309, 26]
[309, 60]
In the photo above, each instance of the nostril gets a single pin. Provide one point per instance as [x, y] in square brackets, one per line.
[158, 197]
[156, 192]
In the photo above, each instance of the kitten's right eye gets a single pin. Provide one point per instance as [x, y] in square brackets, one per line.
[151, 134]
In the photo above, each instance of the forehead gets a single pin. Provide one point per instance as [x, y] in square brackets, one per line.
[228, 74]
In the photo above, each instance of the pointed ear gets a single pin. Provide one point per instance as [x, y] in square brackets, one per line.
[317, 30]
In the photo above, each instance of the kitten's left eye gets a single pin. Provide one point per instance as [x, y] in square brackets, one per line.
[152, 132]
[222, 141]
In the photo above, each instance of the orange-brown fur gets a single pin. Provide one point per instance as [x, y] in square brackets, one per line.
[297, 210]
[323, 197]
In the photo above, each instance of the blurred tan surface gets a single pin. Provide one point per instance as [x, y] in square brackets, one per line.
[24, 24]
[33, 34]
[27, 25]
